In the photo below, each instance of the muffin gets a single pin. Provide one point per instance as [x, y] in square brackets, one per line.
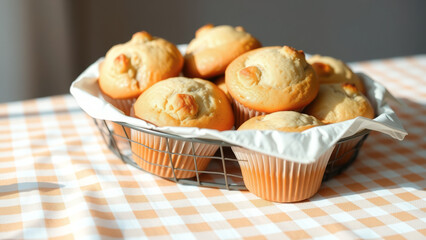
[132, 67]
[337, 103]
[179, 102]
[332, 70]
[214, 48]
[220, 82]
[270, 79]
[277, 179]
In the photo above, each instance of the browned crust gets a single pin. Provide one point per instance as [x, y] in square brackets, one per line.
[220, 118]
[124, 74]
[211, 62]
[339, 102]
[270, 100]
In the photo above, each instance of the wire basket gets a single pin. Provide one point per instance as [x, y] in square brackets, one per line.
[222, 170]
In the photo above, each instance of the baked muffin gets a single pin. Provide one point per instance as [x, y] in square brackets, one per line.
[277, 179]
[213, 48]
[132, 67]
[270, 79]
[220, 82]
[180, 102]
[339, 102]
[332, 70]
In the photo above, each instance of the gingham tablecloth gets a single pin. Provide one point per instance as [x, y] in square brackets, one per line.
[58, 180]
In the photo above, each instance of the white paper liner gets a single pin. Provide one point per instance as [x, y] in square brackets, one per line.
[279, 180]
[158, 162]
[301, 147]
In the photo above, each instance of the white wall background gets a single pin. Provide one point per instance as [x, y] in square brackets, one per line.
[45, 44]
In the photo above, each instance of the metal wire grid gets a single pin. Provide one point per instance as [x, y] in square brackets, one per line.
[342, 157]
[223, 170]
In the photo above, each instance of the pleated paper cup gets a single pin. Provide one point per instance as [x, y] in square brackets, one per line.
[243, 113]
[123, 134]
[118, 134]
[279, 180]
[150, 153]
[124, 105]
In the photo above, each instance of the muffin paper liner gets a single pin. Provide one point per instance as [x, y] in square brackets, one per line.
[124, 105]
[280, 180]
[304, 147]
[243, 113]
[160, 163]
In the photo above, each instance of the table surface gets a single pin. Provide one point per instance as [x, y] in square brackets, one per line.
[59, 180]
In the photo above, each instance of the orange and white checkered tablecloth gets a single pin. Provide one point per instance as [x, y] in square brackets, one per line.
[58, 180]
